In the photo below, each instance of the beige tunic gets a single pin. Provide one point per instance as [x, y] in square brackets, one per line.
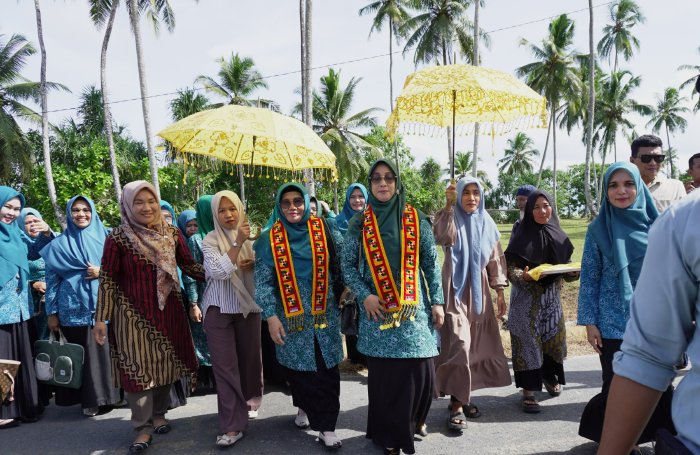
[471, 355]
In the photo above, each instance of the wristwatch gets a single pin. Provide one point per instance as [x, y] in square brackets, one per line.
[235, 244]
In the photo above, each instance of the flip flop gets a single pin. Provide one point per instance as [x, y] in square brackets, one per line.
[554, 390]
[457, 421]
[471, 411]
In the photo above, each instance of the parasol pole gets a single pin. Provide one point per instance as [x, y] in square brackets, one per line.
[454, 133]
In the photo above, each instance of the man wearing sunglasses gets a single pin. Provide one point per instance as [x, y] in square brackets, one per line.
[648, 156]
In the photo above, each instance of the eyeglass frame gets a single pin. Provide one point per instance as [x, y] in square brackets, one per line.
[388, 178]
[298, 202]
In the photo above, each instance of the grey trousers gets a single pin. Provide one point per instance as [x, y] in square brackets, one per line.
[148, 405]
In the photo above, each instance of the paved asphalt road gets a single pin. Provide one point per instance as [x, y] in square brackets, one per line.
[502, 429]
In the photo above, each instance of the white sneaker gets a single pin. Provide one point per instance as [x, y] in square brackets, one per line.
[91, 412]
[329, 440]
[301, 420]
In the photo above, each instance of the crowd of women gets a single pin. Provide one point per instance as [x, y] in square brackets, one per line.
[181, 304]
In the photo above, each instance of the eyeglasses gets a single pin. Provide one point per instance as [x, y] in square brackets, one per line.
[646, 159]
[297, 201]
[389, 178]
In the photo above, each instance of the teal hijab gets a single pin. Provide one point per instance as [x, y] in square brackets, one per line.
[297, 234]
[165, 205]
[13, 251]
[23, 229]
[389, 216]
[71, 252]
[477, 235]
[205, 219]
[622, 234]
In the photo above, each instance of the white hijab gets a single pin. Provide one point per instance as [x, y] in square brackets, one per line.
[222, 238]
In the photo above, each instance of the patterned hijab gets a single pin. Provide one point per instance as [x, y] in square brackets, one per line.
[477, 235]
[205, 220]
[297, 234]
[184, 218]
[347, 213]
[154, 242]
[222, 239]
[535, 244]
[70, 253]
[13, 251]
[622, 234]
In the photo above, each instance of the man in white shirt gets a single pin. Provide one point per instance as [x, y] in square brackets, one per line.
[694, 173]
[647, 155]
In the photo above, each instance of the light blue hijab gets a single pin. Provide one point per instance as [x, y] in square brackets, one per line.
[622, 234]
[184, 218]
[477, 235]
[69, 254]
[347, 212]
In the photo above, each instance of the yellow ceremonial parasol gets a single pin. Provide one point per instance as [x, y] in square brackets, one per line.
[462, 95]
[253, 137]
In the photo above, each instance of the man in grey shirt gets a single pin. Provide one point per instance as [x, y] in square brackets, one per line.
[647, 155]
[662, 325]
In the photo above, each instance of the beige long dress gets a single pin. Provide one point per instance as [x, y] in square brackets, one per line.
[471, 354]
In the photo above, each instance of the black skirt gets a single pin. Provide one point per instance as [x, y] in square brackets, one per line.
[97, 388]
[317, 393]
[15, 345]
[400, 393]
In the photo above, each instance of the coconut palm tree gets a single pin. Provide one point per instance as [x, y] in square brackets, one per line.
[553, 75]
[238, 80]
[464, 166]
[617, 37]
[434, 31]
[590, 206]
[186, 103]
[340, 129]
[395, 12]
[668, 114]
[103, 13]
[691, 81]
[518, 157]
[614, 107]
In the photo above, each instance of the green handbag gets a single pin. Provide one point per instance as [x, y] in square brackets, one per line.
[59, 363]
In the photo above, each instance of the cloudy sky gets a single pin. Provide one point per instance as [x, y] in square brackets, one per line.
[268, 31]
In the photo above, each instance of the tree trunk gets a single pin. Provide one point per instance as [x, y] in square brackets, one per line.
[475, 62]
[391, 65]
[136, 27]
[592, 209]
[554, 156]
[602, 175]
[241, 182]
[105, 104]
[48, 170]
[670, 154]
[544, 153]
[306, 82]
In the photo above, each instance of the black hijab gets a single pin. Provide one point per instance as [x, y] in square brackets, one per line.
[534, 244]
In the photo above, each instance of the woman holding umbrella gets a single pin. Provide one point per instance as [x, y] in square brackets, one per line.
[389, 261]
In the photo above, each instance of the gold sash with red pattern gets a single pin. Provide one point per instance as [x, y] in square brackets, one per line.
[404, 305]
[287, 280]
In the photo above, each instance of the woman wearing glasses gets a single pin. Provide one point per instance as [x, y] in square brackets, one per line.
[616, 243]
[389, 261]
[72, 269]
[295, 289]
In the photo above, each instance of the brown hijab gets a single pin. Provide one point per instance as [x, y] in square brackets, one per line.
[154, 242]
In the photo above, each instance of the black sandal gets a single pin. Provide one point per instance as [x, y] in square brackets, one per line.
[554, 390]
[140, 446]
[471, 411]
[162, 429]
[457, 421]
[530, 404]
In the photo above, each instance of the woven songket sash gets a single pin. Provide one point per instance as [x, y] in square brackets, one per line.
[287, 280]
[400, 306]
